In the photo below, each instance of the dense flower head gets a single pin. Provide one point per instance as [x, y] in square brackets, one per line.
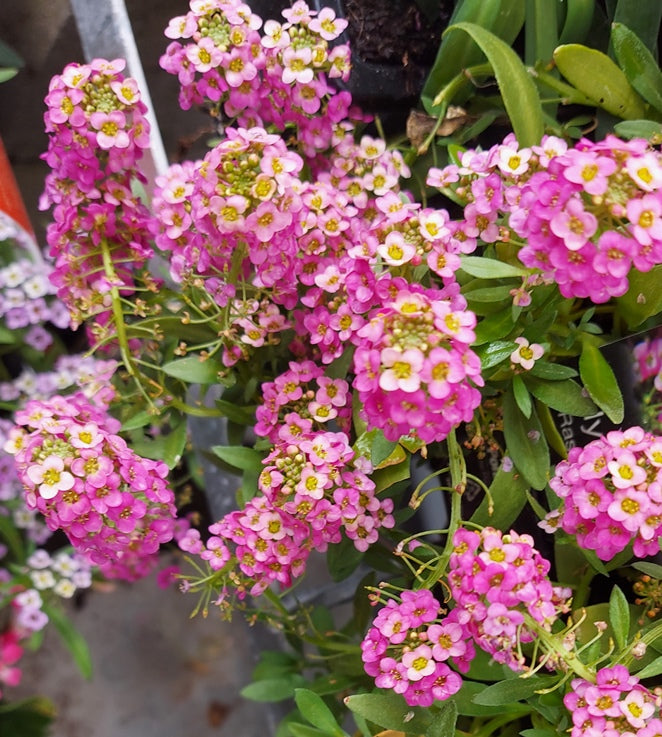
[113, 505]
[408, 645]
[500, 579]
[616, 704]
[299, 400]
[610, 493]
[313, 488]
[584, 215]
[97, 133]
[414, 366]
[277, 77]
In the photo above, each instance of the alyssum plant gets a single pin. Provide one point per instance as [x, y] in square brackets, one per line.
[362, 319]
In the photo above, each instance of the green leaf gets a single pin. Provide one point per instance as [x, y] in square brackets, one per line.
[443, 722]
[650, 569]
[519, 93]
[73, 640]
[513, 690]
[236, 413]
[643, 298]
[642, 17]
[652, 669]
[490, 268]
[137, 420]
[525, 443]
[390, 711]
[174, 444]
[303, 730]
[508, 492]
[237, 456]
[387, 476]
[488, 294]
[540, 30]
[619, 616]
[467, 706]
[638, 64]
[26, 718]
[457, 52]
[494, 353]
[494, 327]
[565, 396]
[551, 371]
[7, 73]
[597, 76]
[600, 382]
[313, 708]
[273, 689]
[8, 57]
[538, 732]
[648, 129]
[192, 370]
[578, 21]
[522, 396]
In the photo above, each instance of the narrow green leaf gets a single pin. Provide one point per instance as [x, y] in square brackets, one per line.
[600, 382]
[457, 52]
[518, 91]
[540, 31]
[489, 294]
[313, 708]
[273, 689]
[578, 21]
[654, 570]
[508, 492]
[490, 268]
[237, 456]
[599, 78]
[467, 706]
[652, 669]
[514, 689]
[443, 722]
[565, 396]
[303, 730]
[526, 443]
[137, 420]
[390, 711]
[343, 559]
[642, 17]
[192, 370]
[638, 64]
[72, 638]
[552, 371]
[522, 396]
[174, 444]
[237, 413]
[619, 616]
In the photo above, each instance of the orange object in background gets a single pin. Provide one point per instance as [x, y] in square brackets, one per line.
[11, 201]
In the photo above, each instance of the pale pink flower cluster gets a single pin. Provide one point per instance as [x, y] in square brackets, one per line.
[611, 492]
[615, 705]
[113, 505]
[584, 215]
[280, 77]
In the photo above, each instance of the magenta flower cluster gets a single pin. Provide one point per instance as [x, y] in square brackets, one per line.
[586, 215]
[113, 505]
[97, 132]
[300, 401]
[611, 494]
[496, 581]
[313, 488]
[408, 646]
[502, 582]
[414, 366]
[278, 78]
[616, 704]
